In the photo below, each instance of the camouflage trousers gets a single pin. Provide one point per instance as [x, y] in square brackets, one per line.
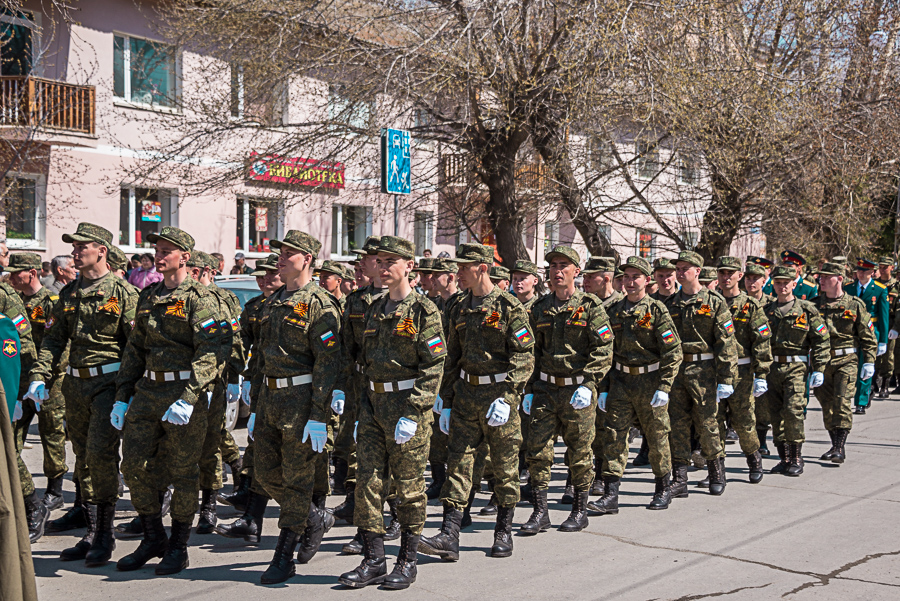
[629, 397]
[552, 413]
[344, 445]
[51, 427]
[884, 365]
[787, 402]
[836, 391]
[95, 442]
[440, 444]
[692, 401]
[210, 458]
[157, 453]
[740, 411]
[229, 449]
[385, 465]
[284, 466]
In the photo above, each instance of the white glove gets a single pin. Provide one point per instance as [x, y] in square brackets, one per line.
[337, 401]
[355, 428]
[317, 433]
[438, 405]
[882, 349]
[231, 413]
[208, 399]
[723, 391]
[498, 413]
[444, 421]
[760, 387]
[526, 403]
[582, 398]
[250, 423]
[17, 412]
[178, 413]
[405, 430]
[893, 335]
[117, 415]
[233, 393]
[601, 401]
[660, 399]
[245, 392]
[868, 370]
[816, 379]
[37, 392]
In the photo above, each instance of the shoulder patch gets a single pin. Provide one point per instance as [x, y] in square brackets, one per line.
[880, 285]
[10, 348]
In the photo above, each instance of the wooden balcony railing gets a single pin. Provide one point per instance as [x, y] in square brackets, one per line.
[44, 103]
[530, 177]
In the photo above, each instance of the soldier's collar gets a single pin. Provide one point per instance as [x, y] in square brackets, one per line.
[178, 294]
[101, 286]
[401, 309]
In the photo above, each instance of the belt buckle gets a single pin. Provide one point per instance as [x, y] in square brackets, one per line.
[378, 387]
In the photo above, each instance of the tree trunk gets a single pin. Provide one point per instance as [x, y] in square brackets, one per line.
[720, 223]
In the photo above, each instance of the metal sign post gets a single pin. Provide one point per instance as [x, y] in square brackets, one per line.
[396, 171]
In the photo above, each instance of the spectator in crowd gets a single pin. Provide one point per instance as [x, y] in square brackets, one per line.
[46, 276]
[4, 256]
[145, 274]
[63, 268]
[426, 253]
[240, 266]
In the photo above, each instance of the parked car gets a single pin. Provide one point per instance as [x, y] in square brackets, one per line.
[245, 288]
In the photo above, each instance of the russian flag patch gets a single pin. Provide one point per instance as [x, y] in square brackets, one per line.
[19, 321]
[821, 329]
[523, 336]
[328, 338]
[763, 329]
[604, 333]
[729, 327]
[208, 325]
[871, 325]
[668, 337]
[435, 346]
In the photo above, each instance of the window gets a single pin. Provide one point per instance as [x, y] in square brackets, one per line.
[23, 208]
[145, 211]
[237, 91]
[688, 170]
[423, 232]
[551, 235]
[647, 162]
[144, 71]
[258, 222]
[349, 112]
[17, 39]
[606, 230]
[350, 226]
[646, 244]
[689, 239]
[600, 156]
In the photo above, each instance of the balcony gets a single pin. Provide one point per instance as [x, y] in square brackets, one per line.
[46, 104]
[531, 177]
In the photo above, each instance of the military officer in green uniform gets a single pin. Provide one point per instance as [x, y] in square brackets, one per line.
[799, 339]
[93, 319]
[402, 354]
[884, 366]
[874, 295]
[853, 342]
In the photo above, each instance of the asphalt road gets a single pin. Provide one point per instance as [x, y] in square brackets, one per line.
[833, 533]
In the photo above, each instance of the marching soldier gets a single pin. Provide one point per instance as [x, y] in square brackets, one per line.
[664, 276]
[885, 364]
[853, 342]
[500, 277]
[803, 289]
[331, 275]
[874, 296]
[755, 277]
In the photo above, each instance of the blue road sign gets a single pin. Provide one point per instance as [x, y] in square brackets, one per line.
[395, 164]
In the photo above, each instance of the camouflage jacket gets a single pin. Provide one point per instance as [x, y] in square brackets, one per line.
[492, 339]
[353, 324]
[230, 312]
[178, 331]
[407, 344]
[849, 325]
[572, 340]
[611, 300]
[800, 332]
[751, 333]
[645, 334]
[300, 334]
[249, 332]
[704, 325]
[38, 308]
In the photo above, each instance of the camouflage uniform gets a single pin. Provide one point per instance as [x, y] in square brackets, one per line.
[440, 442]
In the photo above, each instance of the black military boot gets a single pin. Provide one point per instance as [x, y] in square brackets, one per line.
[104, 542]
[445, 544]
[36, 514]
[608, 504]
[240, 494]
[354, 547]
[569, 492]
[540, 517]
[282, 565]
[373, 567]
[716, 469]
[840, 439]
[154, 545]
[679, 486]
[318, 523]
[345, 510]
[248, 526]
[578, 518]
[796, 466]
[503, 543]
[782, 454]
[467, 512]
[491, 507]
[53, 497]
[208, 519]
[438, 477]
[340, 474]
[761, 434]
[643, 456]
[827, 455]
[81, 548]
[754, 463]
[597, 484]
[134, 528]
[392, 532]
[404, 572]
[662, 496]
[236, 467]
[524, 474]
[176, 556]
[73, 518]
[859, 410]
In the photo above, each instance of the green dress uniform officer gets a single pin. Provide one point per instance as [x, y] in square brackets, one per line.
[752, 336]
[646, 358]
[884, 366]
[402, 356]
[874, 295]
[799, 338]
[300, 361]
[172, 358]
[93, 319]
[853, 341]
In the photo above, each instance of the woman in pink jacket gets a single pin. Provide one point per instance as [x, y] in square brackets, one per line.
[146, 274]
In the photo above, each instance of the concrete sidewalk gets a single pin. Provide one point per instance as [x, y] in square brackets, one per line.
[833, 533]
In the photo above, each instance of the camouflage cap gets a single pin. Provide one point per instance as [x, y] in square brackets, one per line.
[832, 269]
[425, 265]
[349, 274]
[180, 238]
[202, 260]
[397, 246]
[599, 265]
[300, 241]
[499, 273]
[707, 275]
[561, 250]
[663, 263]
[639, 263]
[783, 272]
[88, 232]
[370, 247]
[840, 260]
[332, 267]
[443, 266]
[885, 260]
[23, 262]
[754, 269]
[474, 253]
[116, 258]
[619, 273]
[524, 267]
[264, 266]
[689, 256]
[729, 263]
